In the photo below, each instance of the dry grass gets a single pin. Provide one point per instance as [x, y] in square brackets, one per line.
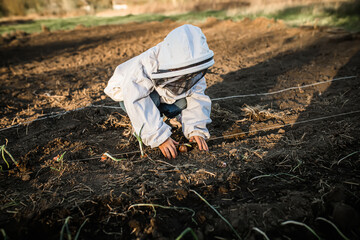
[259, 113]
[118, 120]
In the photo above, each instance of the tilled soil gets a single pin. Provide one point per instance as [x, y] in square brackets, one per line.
[286, 147]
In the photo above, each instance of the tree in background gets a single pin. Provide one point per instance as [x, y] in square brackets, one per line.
[100, 4]
[22, 7]
[12, 7]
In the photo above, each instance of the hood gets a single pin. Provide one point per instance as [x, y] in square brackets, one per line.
[183, 51]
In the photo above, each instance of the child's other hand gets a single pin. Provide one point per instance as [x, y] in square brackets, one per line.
[200, 142]
[168, 148]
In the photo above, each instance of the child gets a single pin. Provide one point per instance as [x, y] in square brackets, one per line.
[167, 79]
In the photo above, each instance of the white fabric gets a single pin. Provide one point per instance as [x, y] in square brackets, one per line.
[182, 47]
[183, 71]
[131, 83]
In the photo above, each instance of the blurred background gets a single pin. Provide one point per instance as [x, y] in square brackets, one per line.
[35, 15]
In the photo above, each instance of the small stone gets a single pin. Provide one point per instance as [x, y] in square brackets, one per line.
[233, 151]
[25, 177]
[345, 216]
[162, 175]
[2, 40]
[281, 131]
[209, 228]
[102, 97]
[183, 148]
[222, 190]
[201, 218]
[199, 235]
[221, 164]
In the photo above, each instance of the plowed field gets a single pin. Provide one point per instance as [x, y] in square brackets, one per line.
[284, 146]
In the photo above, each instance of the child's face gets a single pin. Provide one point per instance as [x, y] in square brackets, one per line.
[180, 84]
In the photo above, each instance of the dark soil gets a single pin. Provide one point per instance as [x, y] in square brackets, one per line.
[293, 155]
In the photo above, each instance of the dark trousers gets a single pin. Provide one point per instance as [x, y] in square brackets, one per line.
[169, 110]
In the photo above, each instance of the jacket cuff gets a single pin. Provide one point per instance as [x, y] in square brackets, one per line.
[199, 133]
[157, 140]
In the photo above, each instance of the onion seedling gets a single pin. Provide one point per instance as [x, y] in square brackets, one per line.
[185, 232]
[184, 147]
[217, 212]
[261, 232]
[302, 224]
[3, 151]
[59, 159]
[66, 226]
[138, 137]
[107, 155]
[3, 233]
[334, 226]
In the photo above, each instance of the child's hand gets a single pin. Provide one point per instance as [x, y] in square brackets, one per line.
[168, 148]
[200, 142]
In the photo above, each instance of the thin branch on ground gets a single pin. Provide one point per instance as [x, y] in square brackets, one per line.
[276, 176]
[153, 205]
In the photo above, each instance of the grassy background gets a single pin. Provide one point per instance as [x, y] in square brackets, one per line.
[345, 15]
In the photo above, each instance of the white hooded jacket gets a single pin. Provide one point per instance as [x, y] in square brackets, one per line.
[183, 51]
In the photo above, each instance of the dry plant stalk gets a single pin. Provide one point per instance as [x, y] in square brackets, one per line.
[153, 205]
[124, 122]
[258, 113]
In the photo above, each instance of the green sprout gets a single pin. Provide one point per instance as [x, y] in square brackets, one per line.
[217, 212]
[113, 158]
[3, 233]
[186, 144]
[66, 226]
[334, 226]
[261, 232]
[185, 232]
[138, 137]
[303, 225]
[347, 157]
[3, 151]
[59, 160]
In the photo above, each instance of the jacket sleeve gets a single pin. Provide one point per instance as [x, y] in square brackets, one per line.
[197, 113]
[114, 87]
[142, 111]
